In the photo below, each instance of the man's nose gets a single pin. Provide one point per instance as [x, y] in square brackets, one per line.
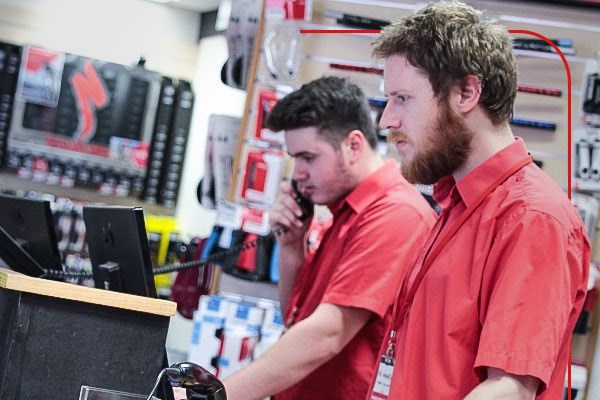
[299, 173]
[389, 119]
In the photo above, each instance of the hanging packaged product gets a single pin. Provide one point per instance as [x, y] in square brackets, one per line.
[590, 94]
[262, 174]
[241, 33]
[242, 333]
[255, 220]
[271, 329]
[207, 331]
[266, 102]
[281, 47]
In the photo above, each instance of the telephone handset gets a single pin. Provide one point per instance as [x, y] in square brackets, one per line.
[305, 203]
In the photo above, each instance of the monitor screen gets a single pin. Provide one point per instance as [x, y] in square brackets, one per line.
[29, 223]
[116, 236]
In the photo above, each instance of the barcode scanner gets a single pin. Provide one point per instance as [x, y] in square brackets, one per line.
[200, 384]
[306, 205]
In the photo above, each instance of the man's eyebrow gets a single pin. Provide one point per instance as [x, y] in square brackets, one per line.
[301, 154]
[396, 92]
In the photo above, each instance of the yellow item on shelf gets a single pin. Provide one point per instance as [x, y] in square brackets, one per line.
[165, 227]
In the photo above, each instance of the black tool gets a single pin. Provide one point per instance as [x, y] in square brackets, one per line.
[305, 203]
[200, 384]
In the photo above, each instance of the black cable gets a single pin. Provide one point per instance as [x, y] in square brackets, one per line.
[168, 268]
[58, 274]
[159, 379]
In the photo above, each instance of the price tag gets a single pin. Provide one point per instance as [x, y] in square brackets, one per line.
[229, 215]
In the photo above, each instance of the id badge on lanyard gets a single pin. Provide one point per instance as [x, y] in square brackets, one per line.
[385, 371]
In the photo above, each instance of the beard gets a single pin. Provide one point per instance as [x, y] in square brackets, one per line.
[445, 150]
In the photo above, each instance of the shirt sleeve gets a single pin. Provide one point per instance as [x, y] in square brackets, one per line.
[532, 281]
[378, 251]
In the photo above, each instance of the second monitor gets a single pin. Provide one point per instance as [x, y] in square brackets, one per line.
[119, 250]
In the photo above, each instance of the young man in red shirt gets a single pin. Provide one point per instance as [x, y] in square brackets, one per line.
[488, 308]
[336, 300]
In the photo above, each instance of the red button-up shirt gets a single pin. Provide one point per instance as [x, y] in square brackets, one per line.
[504, 292]
[376, 233]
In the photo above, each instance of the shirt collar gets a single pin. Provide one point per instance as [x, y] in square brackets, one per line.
[369, 189]
[481, 177]
[491, 169]
[443, 191]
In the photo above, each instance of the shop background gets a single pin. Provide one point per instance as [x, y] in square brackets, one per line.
[121, 31]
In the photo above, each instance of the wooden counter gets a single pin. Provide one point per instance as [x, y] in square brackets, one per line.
[56, 337]
[16, 281]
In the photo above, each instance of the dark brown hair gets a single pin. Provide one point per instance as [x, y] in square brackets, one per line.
[333, 105]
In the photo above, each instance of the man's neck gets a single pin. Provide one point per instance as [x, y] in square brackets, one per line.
[369, 165]
[486, 142]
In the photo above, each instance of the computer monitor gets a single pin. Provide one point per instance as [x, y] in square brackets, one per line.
[28, 222]
[17, 259]
[119, 250]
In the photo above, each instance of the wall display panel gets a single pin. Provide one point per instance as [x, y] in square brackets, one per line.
[82, 109]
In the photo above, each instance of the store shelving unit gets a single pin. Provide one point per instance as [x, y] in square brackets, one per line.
[318, 52]
[10, 181]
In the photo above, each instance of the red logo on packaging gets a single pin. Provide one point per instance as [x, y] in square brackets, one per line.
[91, 95]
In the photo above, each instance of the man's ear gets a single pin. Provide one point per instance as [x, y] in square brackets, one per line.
[468, 94]
[354, 144]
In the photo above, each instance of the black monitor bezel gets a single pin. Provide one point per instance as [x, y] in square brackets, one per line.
[17, 259]
[129, 247]
[30, 220]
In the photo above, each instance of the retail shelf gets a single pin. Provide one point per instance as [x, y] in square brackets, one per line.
[336, 29]
[586, 185]
[10, 181]
[267, 290]
[547, 22]
[365, 64]
[500, 17]
[551, 56]
[283, 87]
[519, 53]
[264, 144]
[344, 61]
[505, 18]
[383, 4]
